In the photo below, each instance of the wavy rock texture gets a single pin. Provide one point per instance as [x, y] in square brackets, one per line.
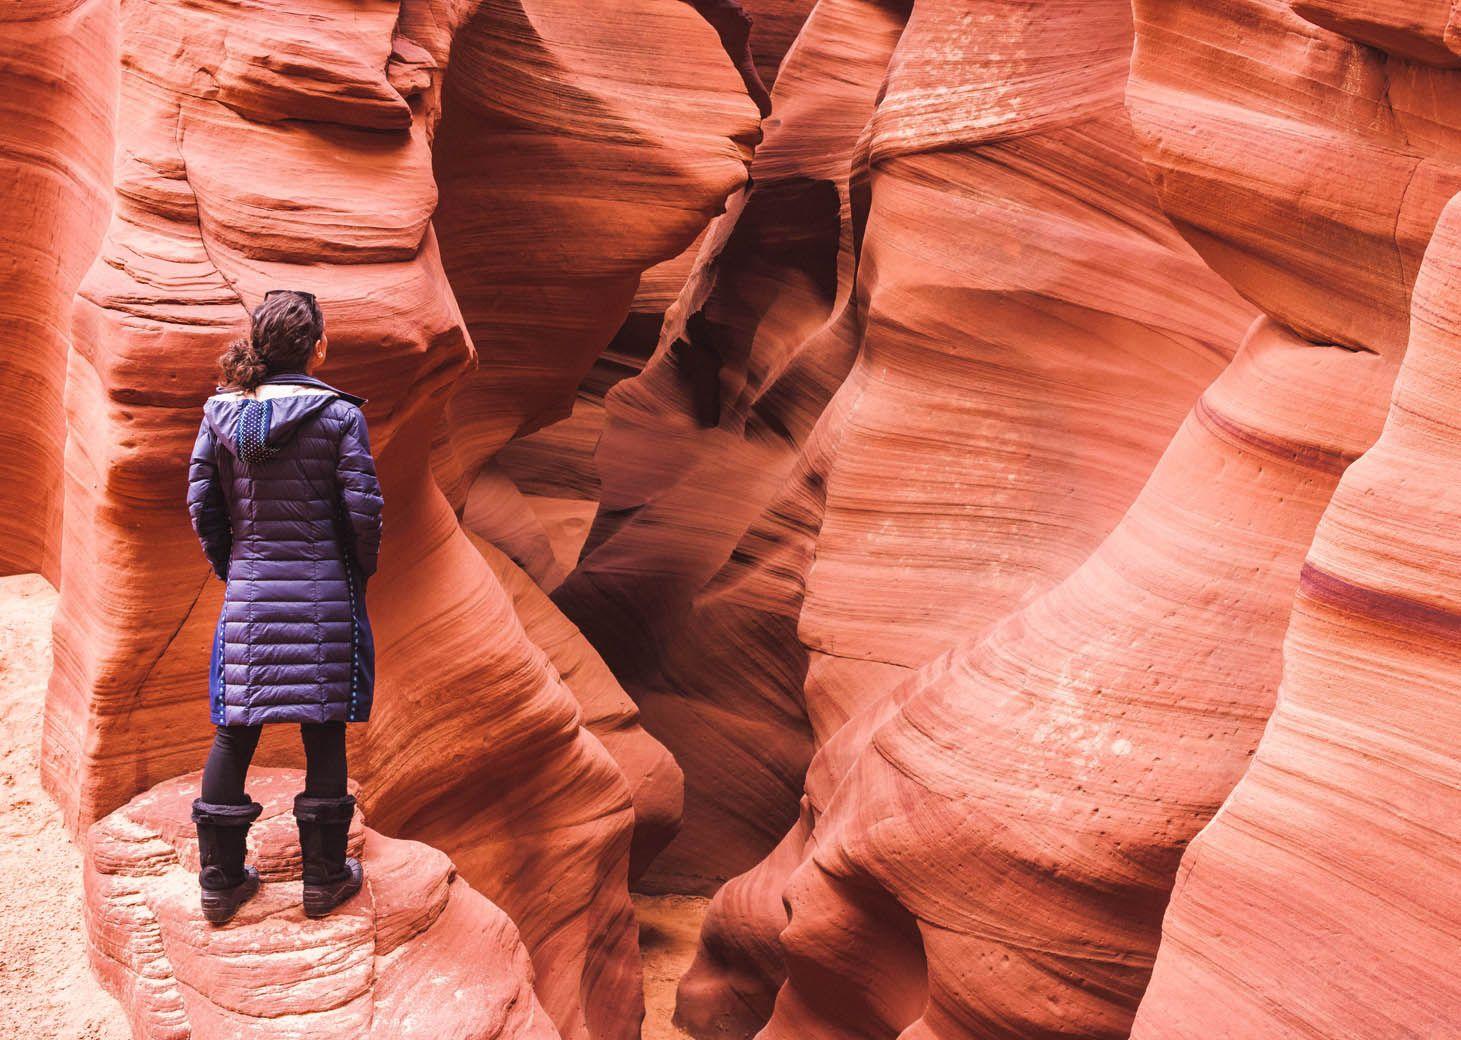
[900, 541]
[1000, 838]
[774, 25]
[539, 105]
[1013, 383]
[700, 443]
[1006, 842]
[654, 779]
[554, 467]
[293, 145]
[1253, 120]
[55, 164]
[418, 953]
[1329, 874]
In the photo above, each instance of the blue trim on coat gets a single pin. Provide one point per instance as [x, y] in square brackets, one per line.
[215, 673]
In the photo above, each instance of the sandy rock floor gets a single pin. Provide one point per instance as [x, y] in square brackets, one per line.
[668, 928]
[46, 989]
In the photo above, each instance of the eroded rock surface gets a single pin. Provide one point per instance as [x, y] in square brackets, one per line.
[988, 851]
[56, 115]
[319, 146]
[1321, 900]
[418, 953]
[701, 444]
[948, 538]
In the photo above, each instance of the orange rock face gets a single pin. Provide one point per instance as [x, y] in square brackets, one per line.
[418, 953]
[1325, 874]
[317, 147]
[700, 444]
[1006, 453]
[55, 168]
[988, 851]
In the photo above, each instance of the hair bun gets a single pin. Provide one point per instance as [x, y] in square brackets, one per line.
[241, 366]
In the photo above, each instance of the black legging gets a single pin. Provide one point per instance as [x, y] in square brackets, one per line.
[233, 750]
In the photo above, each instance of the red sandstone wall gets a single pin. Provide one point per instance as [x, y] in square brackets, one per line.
[1330, 873]
[298, 146]
[948, 540]
[56, 122]
[1001, 802]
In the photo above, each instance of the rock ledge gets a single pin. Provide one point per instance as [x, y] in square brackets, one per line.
[418, 953]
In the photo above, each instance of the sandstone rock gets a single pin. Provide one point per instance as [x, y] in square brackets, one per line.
[654, 778]
[999, 855]
[555, 476]
[544, 108]
[891, 492]
[874, 879]
[55, 162]
[774, 25]
[1226, 96]
[900, 541]
[1321, 900]
[418, 953]
[696, 447]
[477, 744]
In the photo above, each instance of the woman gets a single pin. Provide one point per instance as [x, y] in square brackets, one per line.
[283, 495]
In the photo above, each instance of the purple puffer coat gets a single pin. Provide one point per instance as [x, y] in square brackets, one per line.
[283, 495]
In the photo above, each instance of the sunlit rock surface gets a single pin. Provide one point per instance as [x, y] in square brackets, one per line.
[1321, 900]
[1033, 789]
[56, 115]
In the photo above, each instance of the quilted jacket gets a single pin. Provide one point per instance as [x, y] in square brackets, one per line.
[282, 493]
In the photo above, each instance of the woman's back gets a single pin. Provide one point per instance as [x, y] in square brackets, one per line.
[282, 490]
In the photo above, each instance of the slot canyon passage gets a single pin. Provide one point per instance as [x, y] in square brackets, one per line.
[968, 548]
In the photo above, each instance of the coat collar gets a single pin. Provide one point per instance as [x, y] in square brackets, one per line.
[300, 379]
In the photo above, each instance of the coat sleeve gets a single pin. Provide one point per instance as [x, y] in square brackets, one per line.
[206, 506]
[360, 497]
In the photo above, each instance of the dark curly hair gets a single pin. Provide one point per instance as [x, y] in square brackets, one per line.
[283, 331]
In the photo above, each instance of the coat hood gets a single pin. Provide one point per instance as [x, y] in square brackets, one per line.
[254, 426]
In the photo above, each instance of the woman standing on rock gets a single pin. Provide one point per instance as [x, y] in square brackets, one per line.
[283, 495]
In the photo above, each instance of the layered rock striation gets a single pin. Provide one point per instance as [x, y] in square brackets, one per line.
[56, 126]
[993, 554]
[319, 147]
[988, 851]
[704, 441]
[418, 953]
[1320, 901]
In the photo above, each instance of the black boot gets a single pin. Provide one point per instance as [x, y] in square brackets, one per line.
[324, 827]
[223, 832]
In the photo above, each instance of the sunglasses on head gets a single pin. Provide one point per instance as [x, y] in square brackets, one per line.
[293, 292]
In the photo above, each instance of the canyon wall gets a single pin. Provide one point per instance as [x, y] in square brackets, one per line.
[1034, 787]
[56, 124]
[1321, 900]
[973, 548]
[1330, 873]
[311, 146]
